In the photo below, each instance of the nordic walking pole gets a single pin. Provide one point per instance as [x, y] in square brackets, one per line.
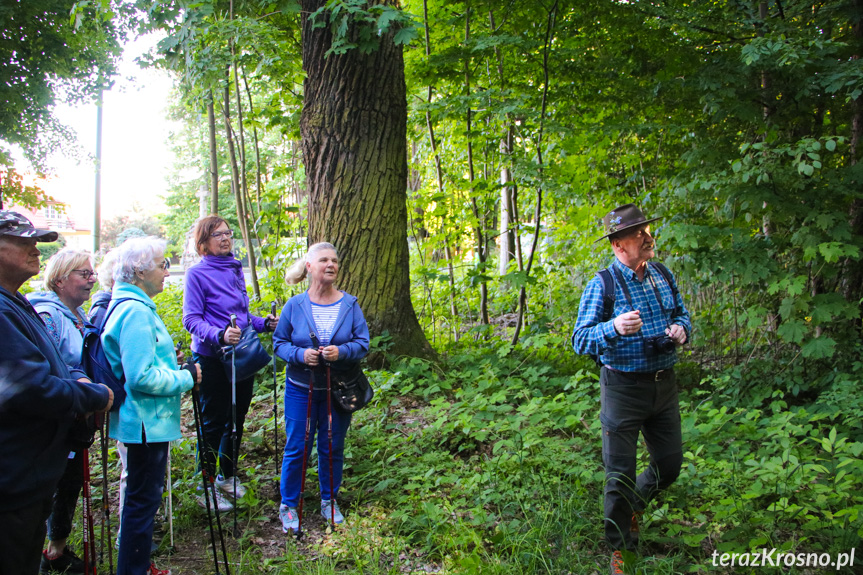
[275, 397]
[330, 442]
[88, 539]
[106, 511]
[208, 484]
[234, 448]
[170, 503]
[314, 339]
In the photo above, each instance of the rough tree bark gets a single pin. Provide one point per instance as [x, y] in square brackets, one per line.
[353, 127]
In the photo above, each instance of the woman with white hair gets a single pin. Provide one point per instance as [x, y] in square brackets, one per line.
[335, 319]
[68, 279]
[138, 346]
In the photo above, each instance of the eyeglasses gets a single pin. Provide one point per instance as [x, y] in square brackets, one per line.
[224, 234]
[86, 274]
[165, 265]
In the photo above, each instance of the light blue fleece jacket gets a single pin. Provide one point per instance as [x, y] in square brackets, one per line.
[138, 344]
[61, 323]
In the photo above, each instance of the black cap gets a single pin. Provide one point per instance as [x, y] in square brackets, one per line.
[14, 224]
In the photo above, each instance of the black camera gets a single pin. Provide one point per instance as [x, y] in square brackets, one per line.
[659, 344]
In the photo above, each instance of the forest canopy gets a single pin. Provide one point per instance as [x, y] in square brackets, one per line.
[464, 152]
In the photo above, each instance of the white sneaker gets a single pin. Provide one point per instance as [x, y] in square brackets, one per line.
[227, 485]
[221, 501]
[328, 514]
[290, 519]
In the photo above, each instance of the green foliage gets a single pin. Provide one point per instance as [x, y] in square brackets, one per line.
[45, 57]
[357, 25]
[739, 130]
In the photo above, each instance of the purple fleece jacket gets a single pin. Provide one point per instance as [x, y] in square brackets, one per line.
[215, 288]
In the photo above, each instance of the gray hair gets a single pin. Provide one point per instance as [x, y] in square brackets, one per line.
[137, 255]
[297, 272]
[106, 270]
[61, 264]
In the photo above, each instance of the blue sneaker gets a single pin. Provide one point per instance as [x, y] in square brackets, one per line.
[330, 510]
[290, 518]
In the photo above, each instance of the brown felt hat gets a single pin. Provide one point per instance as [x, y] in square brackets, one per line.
[623, 218]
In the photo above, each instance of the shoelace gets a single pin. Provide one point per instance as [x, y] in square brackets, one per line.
[617, 563]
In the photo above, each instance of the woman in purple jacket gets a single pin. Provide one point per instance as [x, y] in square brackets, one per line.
[337, 322]
[214, 289]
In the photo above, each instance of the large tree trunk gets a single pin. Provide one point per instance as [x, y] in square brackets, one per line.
[353, 127]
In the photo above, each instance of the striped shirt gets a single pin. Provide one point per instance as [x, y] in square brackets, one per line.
[325, 319]
[628, 352]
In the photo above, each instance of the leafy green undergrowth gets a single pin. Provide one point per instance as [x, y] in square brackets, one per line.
[490, 462]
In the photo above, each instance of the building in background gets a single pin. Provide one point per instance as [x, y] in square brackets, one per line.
[53, 216]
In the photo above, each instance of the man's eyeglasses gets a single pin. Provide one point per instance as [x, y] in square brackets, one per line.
[224, 234]
[86, 274]
[165, 265]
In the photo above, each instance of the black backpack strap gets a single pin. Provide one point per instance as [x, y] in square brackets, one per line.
[607, 293]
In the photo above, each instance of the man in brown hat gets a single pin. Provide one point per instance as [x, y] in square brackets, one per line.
[631, 319]
[39, 401]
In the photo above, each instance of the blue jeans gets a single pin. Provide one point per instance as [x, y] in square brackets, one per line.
[296, 402]
[146, 466]
[216, 408]
[631, 404]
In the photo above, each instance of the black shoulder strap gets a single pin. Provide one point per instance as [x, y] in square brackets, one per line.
[607, 293]
[669, 279]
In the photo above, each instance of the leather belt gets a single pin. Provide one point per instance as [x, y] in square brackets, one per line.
[643, 375]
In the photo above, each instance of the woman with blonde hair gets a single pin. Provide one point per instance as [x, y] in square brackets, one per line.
[336, 322]
[68, 279]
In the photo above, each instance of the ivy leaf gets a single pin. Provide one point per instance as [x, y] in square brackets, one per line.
[792, 331]
[819, 348]
[518, 279]
[405, 35]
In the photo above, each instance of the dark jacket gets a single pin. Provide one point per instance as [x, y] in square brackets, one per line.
[39, 400]
[291, 338]
[98, 307]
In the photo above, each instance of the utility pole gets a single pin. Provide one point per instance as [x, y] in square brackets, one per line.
[97, 208]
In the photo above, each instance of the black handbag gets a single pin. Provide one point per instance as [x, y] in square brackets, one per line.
[82, 433]
[249, 356]
[351, 391]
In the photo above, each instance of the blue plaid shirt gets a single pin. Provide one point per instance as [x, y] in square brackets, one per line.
[627, 352]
